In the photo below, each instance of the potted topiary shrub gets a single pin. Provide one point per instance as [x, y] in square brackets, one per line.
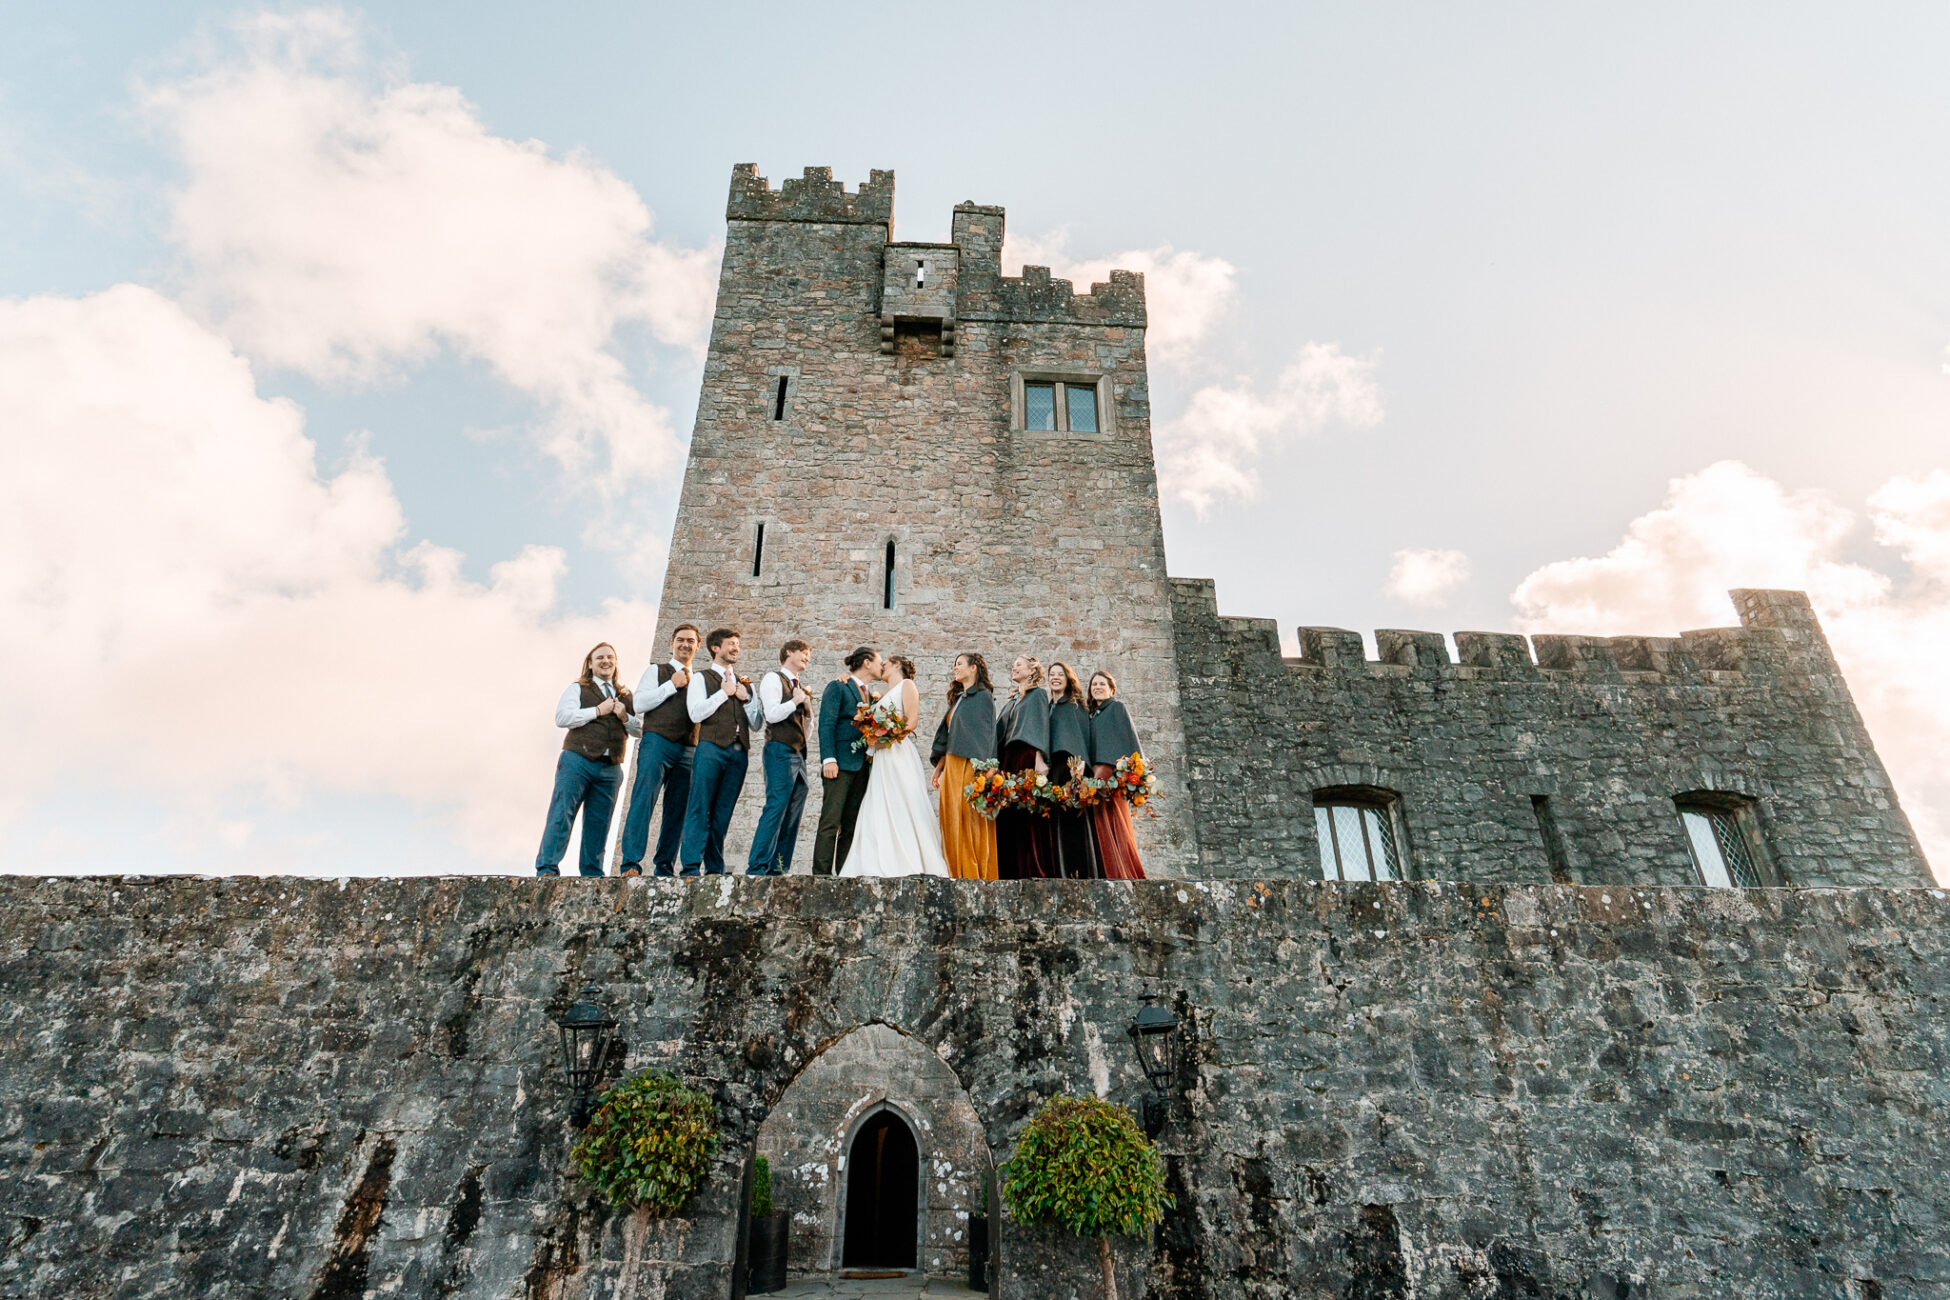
[649, 1143]
[1084, 1165]
[770, 1235]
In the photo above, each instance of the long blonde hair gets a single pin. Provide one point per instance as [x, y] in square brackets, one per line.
[1035, 671]
[588, 677]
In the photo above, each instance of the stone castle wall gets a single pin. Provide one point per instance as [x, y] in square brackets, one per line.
[1006, 541]
[266, 1087]
[1606, 730]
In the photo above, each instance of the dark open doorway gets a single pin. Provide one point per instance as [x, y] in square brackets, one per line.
[883, 1188]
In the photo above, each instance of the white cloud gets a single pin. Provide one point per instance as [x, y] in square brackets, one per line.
[1728, 526]
[340, 220]
[1425, 578]
[190, 610]
[1211, 449]
[1185, 292]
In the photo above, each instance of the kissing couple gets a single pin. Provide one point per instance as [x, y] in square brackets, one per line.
[877, 814]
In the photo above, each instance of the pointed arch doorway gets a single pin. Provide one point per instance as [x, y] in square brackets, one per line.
[823, 1127]
[883, 1194]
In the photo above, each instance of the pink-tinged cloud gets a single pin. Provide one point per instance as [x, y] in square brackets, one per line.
[192, 610]
[1426, 578]
[1728, 526]
[338, 219]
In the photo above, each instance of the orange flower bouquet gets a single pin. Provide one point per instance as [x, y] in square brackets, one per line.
[1137, 782]
[991, 791]
[880, 725]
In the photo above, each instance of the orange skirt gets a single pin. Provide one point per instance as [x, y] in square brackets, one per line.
[967, 837]
[1116, 834]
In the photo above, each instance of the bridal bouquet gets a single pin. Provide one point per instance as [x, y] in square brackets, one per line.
[1136, 780]
[992, 790]
[880, 725]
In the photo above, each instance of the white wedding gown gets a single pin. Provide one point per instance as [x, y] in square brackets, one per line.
[898, 833]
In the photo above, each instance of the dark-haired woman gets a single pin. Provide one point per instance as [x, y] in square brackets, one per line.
[1024, 847]
[966, 736]
[1112, 737]
[1069, 756]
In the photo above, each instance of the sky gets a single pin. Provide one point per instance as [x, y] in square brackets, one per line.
[348, 356]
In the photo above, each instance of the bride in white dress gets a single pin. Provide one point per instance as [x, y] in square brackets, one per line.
[898, 833]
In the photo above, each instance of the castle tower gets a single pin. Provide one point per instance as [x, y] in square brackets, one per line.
[898, 446]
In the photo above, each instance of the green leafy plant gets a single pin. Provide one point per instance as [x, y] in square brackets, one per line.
[649, 1143]
[1085, 1166]
[761, 1188]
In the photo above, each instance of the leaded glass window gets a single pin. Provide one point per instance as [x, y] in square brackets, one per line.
[1721, 853]
[1081, 400]
[1060, 406]
[1357, 841]
[1039, 407]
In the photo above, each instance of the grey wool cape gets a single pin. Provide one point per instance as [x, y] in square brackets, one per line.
[969, 729]
[1069, 730]
[1024, 721]
[1111, 734]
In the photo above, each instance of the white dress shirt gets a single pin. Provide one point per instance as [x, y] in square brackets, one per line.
[570, 713]
[702, 706]
[775, 698]
[649, 694]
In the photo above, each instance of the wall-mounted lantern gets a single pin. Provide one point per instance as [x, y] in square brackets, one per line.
[1154, 1037]
[590, 1049]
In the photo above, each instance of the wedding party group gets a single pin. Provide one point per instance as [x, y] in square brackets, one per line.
[1041, 786]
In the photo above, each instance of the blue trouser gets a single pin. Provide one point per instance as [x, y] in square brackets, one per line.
[659, 762]
[785, 800]
[591, 786]
[717, 775]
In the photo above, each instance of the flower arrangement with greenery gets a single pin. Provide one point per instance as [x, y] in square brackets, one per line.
[991, 791]
[649, 1143]
[1085, 1166]
[881, 723]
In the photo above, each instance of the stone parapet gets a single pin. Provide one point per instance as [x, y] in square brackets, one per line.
[815, 196]
[265, 1086]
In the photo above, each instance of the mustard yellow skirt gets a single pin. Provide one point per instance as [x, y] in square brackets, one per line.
[967, 837]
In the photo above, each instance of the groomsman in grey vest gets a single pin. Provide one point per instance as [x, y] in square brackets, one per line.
[786, 708]
[717, 698]
[663, 757]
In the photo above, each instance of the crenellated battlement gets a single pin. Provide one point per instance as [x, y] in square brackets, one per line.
[814, 196]
[1777, 628]
[1036, 297]
[1568, 752]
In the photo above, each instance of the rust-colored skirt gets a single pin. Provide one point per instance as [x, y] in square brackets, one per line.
[967, 837]
[1116, 834]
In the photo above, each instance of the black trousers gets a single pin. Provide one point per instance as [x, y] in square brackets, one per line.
[839, 813]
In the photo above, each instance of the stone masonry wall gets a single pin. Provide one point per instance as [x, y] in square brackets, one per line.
[273, 1087]
[1607, 730]
[1006, 541]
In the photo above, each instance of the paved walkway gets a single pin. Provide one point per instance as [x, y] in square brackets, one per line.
[903, 1288]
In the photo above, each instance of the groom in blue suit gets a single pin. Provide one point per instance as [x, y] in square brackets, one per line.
[843, 769]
